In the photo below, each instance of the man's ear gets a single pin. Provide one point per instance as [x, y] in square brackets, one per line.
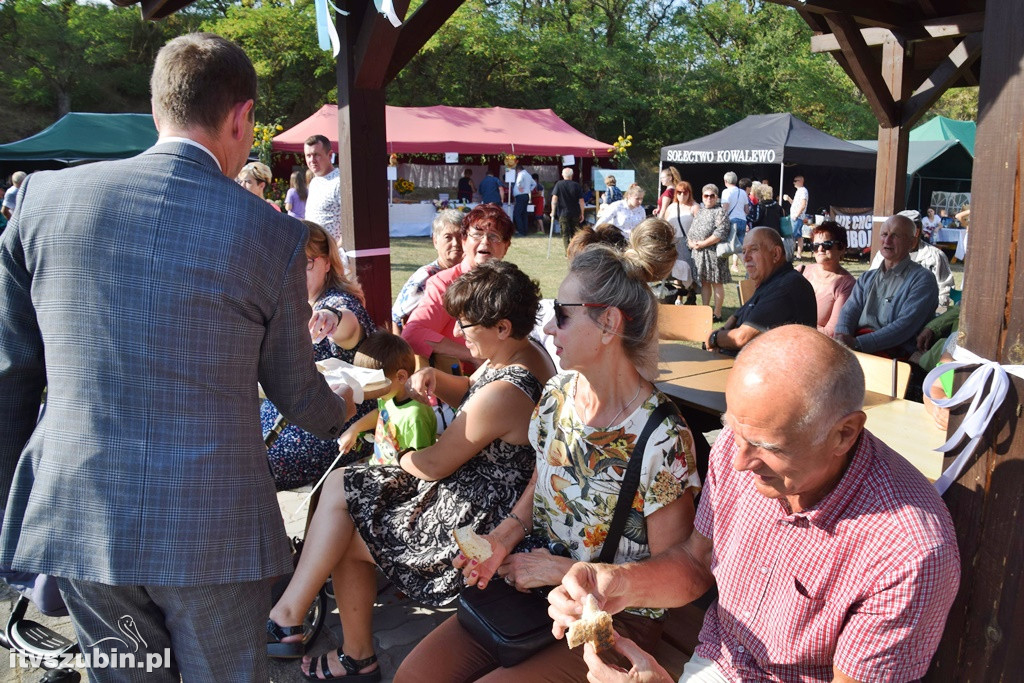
[847, 430]
[242, 119]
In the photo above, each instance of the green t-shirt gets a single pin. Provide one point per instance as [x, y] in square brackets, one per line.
[401, 425]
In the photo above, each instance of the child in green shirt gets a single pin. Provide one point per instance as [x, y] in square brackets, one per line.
[400, 422]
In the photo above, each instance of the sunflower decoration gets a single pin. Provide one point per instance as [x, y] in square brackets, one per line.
[620, 148]
[393, 160]
[404, 186]
[263, 140]
[511, 160]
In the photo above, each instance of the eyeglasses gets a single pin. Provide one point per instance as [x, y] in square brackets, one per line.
[561, 317]
[478, 235]
[464, 326]
[826, 245]
[310, 262]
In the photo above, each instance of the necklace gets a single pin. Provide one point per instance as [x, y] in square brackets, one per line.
[611, 422]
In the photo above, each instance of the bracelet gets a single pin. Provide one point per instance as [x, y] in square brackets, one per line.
[333, 310]
[512, 515]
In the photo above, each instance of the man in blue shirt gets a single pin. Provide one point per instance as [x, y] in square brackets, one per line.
[491, 189]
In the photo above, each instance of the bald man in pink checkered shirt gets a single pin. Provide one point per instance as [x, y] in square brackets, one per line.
[835, 559]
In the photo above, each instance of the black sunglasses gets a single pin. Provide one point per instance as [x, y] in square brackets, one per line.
[826, 245]
[561, 317]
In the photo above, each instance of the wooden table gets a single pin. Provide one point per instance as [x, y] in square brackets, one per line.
[696, 379]
[676, 360]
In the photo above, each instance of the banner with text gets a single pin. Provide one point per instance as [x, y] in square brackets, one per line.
[858, 224]
[721, 156]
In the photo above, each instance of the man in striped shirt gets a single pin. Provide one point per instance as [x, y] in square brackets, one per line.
[835, 560]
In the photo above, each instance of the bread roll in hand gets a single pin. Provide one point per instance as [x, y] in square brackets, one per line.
[471, 544]
[594, 625]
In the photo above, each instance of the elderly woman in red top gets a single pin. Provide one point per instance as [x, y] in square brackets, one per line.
[486, 234]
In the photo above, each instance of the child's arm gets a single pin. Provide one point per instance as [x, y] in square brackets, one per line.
[364, 424]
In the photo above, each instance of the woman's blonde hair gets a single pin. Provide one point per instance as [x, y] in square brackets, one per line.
[618, 279]
[674, 173]
[634, 190]
[260, 172]
[320, 243]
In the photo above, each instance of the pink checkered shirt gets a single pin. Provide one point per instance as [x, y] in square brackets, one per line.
[863, 580]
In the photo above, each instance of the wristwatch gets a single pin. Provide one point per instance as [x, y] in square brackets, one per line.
[714, 338]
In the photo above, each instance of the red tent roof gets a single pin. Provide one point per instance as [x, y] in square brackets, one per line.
[435, 130]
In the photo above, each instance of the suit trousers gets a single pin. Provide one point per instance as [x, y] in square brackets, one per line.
[519, 217]
[198, 633]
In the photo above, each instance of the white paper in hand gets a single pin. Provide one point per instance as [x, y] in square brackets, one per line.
[339, 372]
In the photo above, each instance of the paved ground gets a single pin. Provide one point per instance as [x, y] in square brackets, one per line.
[399, 623]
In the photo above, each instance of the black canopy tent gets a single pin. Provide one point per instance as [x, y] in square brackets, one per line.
[780, 146]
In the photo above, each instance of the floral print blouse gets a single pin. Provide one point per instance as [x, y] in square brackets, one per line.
[580, 470]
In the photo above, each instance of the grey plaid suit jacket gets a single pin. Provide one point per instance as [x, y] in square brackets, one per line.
[149, 296]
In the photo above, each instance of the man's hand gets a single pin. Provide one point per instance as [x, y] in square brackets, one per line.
[644, 669]
[925, 340]
[583, 578]
[345, 391]
[846, 340]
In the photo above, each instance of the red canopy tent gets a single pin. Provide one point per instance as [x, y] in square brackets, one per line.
[439, 129]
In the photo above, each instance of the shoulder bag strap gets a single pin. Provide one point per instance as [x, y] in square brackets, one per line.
[630, 482]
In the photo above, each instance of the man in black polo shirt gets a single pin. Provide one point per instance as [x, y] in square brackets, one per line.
[782, 296]
[567, 205]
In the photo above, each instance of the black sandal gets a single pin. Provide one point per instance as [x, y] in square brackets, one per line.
[276, 648]
[351, 666]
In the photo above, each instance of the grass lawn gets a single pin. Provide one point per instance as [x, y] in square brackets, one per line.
[531, 255]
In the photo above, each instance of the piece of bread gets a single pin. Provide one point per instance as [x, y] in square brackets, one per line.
[594, 625]
[472, 545]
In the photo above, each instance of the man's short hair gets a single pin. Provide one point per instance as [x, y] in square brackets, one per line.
[198, 78]
[567, 173]
[769, 235]
[730, 178]
[18, 177]
[385, 351]
[322, 140]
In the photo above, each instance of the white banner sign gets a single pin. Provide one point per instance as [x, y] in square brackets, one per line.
[568, 160]
[451, 157]
[722, 156]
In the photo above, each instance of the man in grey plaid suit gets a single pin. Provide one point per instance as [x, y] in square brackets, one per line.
[149, 296]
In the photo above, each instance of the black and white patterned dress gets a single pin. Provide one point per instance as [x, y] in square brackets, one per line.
[407, 523]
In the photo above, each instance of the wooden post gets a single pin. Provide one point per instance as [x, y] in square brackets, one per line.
[893, 141]
[362, 161]
[985, 630]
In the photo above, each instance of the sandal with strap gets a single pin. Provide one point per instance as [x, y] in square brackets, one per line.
[351, 666]
[281, 650]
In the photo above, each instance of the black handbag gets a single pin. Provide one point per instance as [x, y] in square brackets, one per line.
[512, 625]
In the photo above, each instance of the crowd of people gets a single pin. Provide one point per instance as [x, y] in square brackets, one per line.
[149, 297]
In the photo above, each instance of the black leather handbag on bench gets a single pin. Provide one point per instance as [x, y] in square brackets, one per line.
[513, 625]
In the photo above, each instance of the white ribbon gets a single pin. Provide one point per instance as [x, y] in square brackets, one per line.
[984, 405]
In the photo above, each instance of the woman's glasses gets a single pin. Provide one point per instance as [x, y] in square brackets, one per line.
[561, 317]
[310, 262]
[464, 326]
[478, 235]
[709, 195]
[826, 245]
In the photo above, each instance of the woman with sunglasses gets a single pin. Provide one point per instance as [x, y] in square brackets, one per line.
[710, 226]
[338, 325]
[402, 518]
[680, 216]
[832, 283]
[605, 331]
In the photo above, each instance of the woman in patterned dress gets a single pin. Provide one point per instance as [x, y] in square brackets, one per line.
[710, 226]
[605, 331]
[401, 518]
[339, 324]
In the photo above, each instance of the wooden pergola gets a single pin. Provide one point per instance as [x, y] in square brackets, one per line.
[903, 54]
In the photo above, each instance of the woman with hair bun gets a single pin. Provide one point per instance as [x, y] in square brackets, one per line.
[255, 177]
[584, 431]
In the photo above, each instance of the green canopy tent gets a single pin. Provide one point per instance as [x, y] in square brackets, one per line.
[78, 137]
[941, 128]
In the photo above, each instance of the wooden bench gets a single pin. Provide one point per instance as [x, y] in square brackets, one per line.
[678, 641]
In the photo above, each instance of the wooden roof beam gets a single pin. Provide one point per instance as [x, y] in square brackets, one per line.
[864, 69]
[943, 27]
[959, 62]
[421, 26]
[869, 12]
[375, 47]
